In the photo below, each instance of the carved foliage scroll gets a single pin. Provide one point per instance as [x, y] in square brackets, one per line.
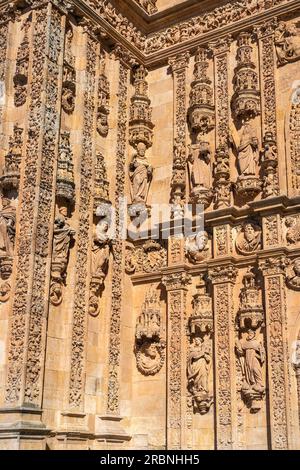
[85, 208]
[116, 308]
[22, 66]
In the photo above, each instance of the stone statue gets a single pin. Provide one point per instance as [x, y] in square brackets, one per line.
[249, 239]
[63, 235]
[199, 166]
[150, 357]
[140, 175]
[287, 42]
[247, 149]
[293, 275]
[199, 366]
[101, 250]
[7, 228]
[251, 353]
[197, 247]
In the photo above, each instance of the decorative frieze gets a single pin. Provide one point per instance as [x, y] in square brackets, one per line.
[22, 66]
[69, 74]
[103, 100]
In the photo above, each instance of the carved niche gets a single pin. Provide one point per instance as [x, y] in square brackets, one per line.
[103, 100]
[248, 239]
[200, 356]
[69, 75]
[150, 257]
[11, 172]
[250, 343]
[140, 138]
[20, 78]
[197, 247]
[102, 242]
[201, 115]
[7, 241]
[287, 43]
[245, 107]
[149, 334]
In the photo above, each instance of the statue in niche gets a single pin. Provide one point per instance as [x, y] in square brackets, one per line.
[251, 353]
[197, 247]
[101, 250]
[198, 370]
[287, 42]
[7, 228]
[249, 239]
[63, 236]
[199, 166]
[247, 149]
[140, 175]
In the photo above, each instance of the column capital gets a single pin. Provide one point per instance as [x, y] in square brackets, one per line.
[176, 281]
[223, 274]
[274, 265]
[179, 62]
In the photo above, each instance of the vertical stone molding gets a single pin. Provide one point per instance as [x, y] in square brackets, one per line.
[81, 294]
[267, 57]
[273, 270]
[37, 198]
[176, 286]
[113, 393]
[222, 184]
[223, 279]
[179, 65]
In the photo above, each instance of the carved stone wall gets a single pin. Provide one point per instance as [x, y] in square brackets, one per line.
[140, 339]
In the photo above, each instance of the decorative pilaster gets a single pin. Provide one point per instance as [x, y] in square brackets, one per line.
[222, 182]
[267, 57]
[81, 294]
[176, 286]
[179, 66]
[223, 279]
[273, 270]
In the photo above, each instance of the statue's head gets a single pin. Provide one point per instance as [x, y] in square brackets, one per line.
[197, 341]
[103, 225]
[202, 240]
[63, 211]
[249, 232]
[141, 149]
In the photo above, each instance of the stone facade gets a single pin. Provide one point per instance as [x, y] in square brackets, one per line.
[121, 339]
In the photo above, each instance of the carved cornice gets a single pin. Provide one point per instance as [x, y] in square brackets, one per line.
[222, 274]
[224, 20]
[176, 281]
[273, 265]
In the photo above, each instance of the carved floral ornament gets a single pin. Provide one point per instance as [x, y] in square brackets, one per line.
[150, 257]
[149, 342]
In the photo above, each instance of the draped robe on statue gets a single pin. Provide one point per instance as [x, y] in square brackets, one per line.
[200, 171]
[198, 367]
[7, 230]
[139, 179]
[247, 150]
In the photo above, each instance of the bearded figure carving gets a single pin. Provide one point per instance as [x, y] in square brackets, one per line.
[287, 43]
[197, 247]
[249, 239]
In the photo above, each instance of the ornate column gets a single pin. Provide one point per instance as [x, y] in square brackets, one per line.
[296, 367]
[267, 59]
[223, 279]
[179, 65]
[31, 274]
[81, 292]
[176, 286]
[273, 270]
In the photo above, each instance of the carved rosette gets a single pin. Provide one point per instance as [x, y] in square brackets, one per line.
[200, 327]
[22, 66]
[11, 172]
[179, 65]
[149, 342]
